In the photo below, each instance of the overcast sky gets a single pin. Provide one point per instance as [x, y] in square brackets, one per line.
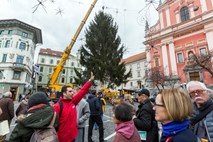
[58, 29]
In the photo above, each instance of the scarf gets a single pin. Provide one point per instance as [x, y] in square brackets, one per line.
[126, 129]
[174, 127]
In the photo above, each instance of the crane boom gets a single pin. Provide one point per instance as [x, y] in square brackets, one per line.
[53, 81]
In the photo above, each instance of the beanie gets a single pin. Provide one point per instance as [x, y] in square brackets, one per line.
[144, 92]
[37, 98]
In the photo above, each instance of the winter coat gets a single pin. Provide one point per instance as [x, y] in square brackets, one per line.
[145, 121]
[22, 108]
[94, 105]
[38, 117]
[183, 136]
[126, 132]
[83, 113]
[68, 127]
[7, 106]
[204, 128]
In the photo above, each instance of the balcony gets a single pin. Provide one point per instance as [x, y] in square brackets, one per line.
[18, 66]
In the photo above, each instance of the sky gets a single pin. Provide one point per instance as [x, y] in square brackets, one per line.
[59, 28]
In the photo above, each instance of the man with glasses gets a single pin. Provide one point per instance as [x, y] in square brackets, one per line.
[144, 119]
[66, 109]
[202, 118]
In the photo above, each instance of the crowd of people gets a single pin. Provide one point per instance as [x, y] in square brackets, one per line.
[185, 117]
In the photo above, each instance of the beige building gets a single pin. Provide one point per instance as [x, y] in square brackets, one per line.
[136, 64]
[18, 42]
[48, 59]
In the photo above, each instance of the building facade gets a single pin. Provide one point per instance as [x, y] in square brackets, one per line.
[136, 64]
[184, 28]
[48, 59]
[18, 41]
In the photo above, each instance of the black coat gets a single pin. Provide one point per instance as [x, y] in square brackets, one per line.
[94, 105]
[145, 121]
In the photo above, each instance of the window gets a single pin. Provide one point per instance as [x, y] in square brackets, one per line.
[50, 70]
[20, 59]
[41, 69]
[22, 46]
[72, 64]
[42, 60]
[16, 75]
[7, 44]
[63, 71]
[27, 78]
[1, 32]
[138, 65]
[0, 43]
[10, 32]
[180, 57]
[156, 62]
[202, 51]
[131, 75]
[24, 34]
[190, 55]
[184, 12]
[4, 59]
[71, 72]
[139, 73]
[58, 61]
[40, 79]
[78, 65]
[131, 84]
[51, 61]
[70, 80]
[62, 80]
[1, 74]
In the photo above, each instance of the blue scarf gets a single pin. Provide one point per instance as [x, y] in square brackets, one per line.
[174, 127]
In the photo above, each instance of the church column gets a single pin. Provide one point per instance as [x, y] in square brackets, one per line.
[161, 20]
[168, 17]
[172, 58]
[204, 6]
[209, 37]
[165, 60]
[191, 9]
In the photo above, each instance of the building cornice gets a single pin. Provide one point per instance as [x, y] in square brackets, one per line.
[16, 23]
[188, 28]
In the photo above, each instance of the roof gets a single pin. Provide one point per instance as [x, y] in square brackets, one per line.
[50, 52]
[134, 58]
[16, 23]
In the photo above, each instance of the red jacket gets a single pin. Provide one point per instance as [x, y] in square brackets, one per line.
[68, 127]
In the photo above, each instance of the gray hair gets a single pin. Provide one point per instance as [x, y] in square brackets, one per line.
[196, 83]
[202, 85]
[7, 94]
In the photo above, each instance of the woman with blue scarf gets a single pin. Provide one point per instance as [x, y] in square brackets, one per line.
[173, 108]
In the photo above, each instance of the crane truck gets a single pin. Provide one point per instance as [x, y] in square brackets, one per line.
[53, 83]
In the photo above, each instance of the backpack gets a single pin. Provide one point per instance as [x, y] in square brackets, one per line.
[45, 135]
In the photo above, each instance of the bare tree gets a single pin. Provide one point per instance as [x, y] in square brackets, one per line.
[158, 79]
[202, 60]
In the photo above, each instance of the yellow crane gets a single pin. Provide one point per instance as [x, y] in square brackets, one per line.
[53, 83]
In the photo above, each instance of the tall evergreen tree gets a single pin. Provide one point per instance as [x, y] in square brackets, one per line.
[102, 52]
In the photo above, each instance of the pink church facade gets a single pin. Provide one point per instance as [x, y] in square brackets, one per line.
[184, 26]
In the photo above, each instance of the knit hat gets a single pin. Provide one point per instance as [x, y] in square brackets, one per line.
[144, 92]
[37, 98]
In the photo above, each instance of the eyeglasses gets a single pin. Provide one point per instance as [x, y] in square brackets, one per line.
[158, 105]
[198, 92]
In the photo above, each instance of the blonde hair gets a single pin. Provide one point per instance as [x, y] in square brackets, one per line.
[177, 103]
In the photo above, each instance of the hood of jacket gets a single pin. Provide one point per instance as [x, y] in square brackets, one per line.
[126, 129]
[91, 96]
[37, 118]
